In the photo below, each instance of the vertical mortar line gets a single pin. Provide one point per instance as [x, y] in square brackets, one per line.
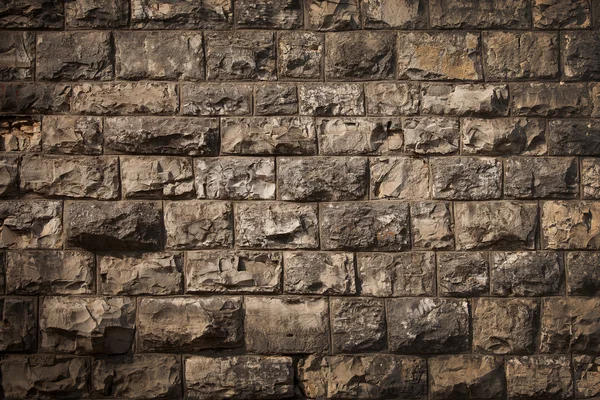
[489, 267]
[580, 185]
[35, 59]
[184, 264]
[204, 56]
[564, 261]
[482, 58]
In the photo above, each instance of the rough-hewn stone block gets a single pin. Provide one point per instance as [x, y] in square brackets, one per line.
[579, 55]
[268, 14]
[431, 135]
[390, 98]
[276, 99]
[359, 136]
[570, 225]
[18, 325]
[526, 273]
[504, 136]
[527, 178]
[431, 225]
[561, 14]
[464, 274]
[514, 14]
[156, 178]
[574, 137]
[72, 135]
[329, 99]
[20, 133]
[300, 55]
[590, 185]
[333, 15]
[9, 176]
[549, 99]
[401, 178]
[466, 178]
[181, 14]
[35, 98]
[464, 99]
[216, 99]
[96, 13]
[583, 273]
[32, 14]
[194, 224]
[539, 377]
[31, 224]
[401, 14]
[319, 273]
[587, 376]
[17, 55]
[358, 325]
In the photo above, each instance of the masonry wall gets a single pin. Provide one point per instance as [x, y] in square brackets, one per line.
[320, 199]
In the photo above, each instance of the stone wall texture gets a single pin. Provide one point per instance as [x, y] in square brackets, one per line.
[300, 199]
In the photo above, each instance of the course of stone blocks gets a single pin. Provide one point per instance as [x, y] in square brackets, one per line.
[300, 199]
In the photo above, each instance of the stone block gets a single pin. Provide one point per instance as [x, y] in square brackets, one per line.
[31, 224]
[328, 273]
[466, 178]
[192, 224]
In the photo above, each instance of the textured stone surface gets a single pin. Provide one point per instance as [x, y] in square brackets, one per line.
[431, 135]
[498, 225]
[279, 14]
[54, 272]
[362, 377]
[504, 136]
[235, 178]
[526, 274]
[388, 98]
[396, 274]
[464, 99]
[587, 378]
[505, 326]
[541, 377]
[570, 225]
[401, 178]
[466, 178]
[20, 133]
[286, 325]
[140, 273]
[579, 56]
[31, 224]
[140, 376]
[194, 224]
[464, 274]
[357, 325]
[428, 325]
[330, 15]
[239, 271]
[276, 225]
[590, 170]
[189, 324]
[565, 14]
[439, 56]
[480, 14]
[359, 136]
[34, 98]
[72, 135]
[570, 137]
[113, 226]
[276, 99]
[529, 178]
[466, 376]
[319, 273]
[300, 55]
[18, 325]
[9, 176]
[322, 178]
[583, 273]
[431, 225]
[69, 176]
[549, 99]
[17, 56]
[216, 99]
[239, 377]
[181, 14]
[156, 178]
[331, 99]
[365, 226]
[96, 13]
[87, 325]
[403, 14]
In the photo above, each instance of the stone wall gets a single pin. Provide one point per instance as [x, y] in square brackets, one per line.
[309, 199]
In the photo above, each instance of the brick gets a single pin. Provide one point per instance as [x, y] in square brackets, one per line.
[402, 14]
[239, 271]
[276, 225]
[359, 136]
[574, 137]
[32, 14]
[401, 178]
[358, 325]
[49, 272]
[579, 56]
[439, 56]
[530, 178]
[96, 13]
[267, 14]
[140, 273]
[527, 273]
[504, 136]
[360, 55]
[235, 178]
[87, 325]
[505, 326]
[72, 135]
[431, 135]
[20, 134]
[289, 325]
[364, 226]
[466, 178]
[17, 56]
[9, 176]
[583, 273]
[390, 98]
[428, 325]
[268, 136]
[70, 176]
[396, 274]
[549, 100]
[18, 325]
[35, 98]
[329, 273]
[31, 224]
[240, 56]
[331, 99]
[327, 15]
[300, 55]
[520, 55]
[431, 225]
[561, 14]
[590, 170]
[192, 224]
[464, 274]
[570, 225]
[464, 99]
[159, 55]
[156, 178]
[216, 99]
[210, 323]
[510, 14]
[322, 178]
[276, 99]
[497, 225]
[181, 14]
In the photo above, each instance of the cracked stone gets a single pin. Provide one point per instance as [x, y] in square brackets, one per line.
[20, 134]
[269, 14]
[509, 14]
[331, 99]
[401, 178]
[550, 99]
[276, 99]
[527, 274]
[31, 224]
[431, 225]
[156, 178]
[540, 377]
[466, 178]
[561, 14]
[181, 14]
[72, 135]
[300, 55]
[333, 15]
[17, 55]
[359, 136]
[530, 178]
[464, 274]
[97, 13]
[431, 135]
[358, 325]
[216, 99]
[401, 14]
[571, 225]
[469, 99]
[388, 99]
[329, 273]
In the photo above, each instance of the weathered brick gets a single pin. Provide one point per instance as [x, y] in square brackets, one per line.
[156, 178]
[20, 133]
[464, 274]
[357, 325]
[74, 56]
[181, 14]
[9, 176]
[72, 135]
[570, 225]
[561, 14]
[587, 376]
[579, 55]
[35, 98]
[515, 14]
[239, 271]
[32, 14]
[300, 55]
[18, 325]
[268, 14]
[550, 99]
[276, 225]
[431, 135]
[146, 376]
[96, 13]
[286, 325]
[464, 99]
[431, 225]
[389, 98]
[209, 323]
[113, 225]
[216, 99]
[87, 325]
[498, 225]
[333, 15]
[268, 135]
[31, 224]
[527, 273]
[401, 178]
[17, 55]
[539, 377]
[276, 99]
[590, 171]
[439, 56]
[239, 377]
[159, 55]
[466, 178]
[530, 178]
[329, 273]
[359, 136]
[192, 224]
[379, 226]
[322, 178]
[235, 178]
[70, 176]
[505, 326]
[520, 55]
[504, 136]
[574, 137]
[396, 274]
[125, 98]
[140, 273]
[331, 99]
[49, 272]
[428, 325]
[360, 55]
[245, 56]
[402, 14]
[583, 273]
